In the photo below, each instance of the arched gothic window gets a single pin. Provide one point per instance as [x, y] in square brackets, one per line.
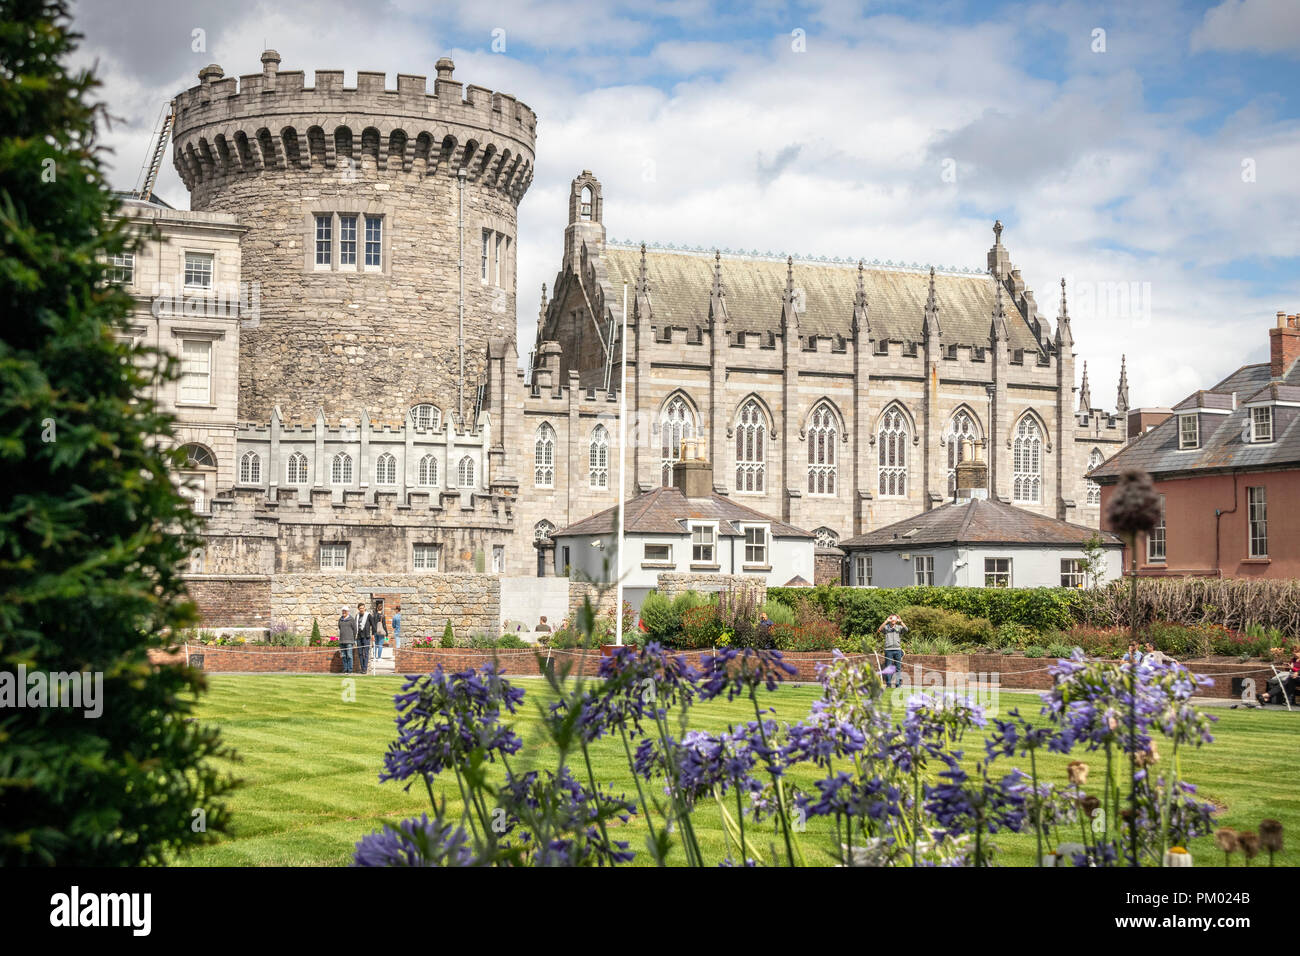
[250, 469]
[428, 472]
[598, 458]
[751, 437]
[543, 530]
[1027, 462]
[676, 424]
[822, 434]
[341, 470]
[1094, 489]
[385, 469]
[891, 448]
[826, 538]
[465, 473]
[296, 470]
[961, 427]
[544, 457]
[584, 213]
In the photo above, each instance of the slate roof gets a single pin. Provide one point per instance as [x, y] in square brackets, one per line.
[680, 283]
[664, 511]
[1222, 447]
[979, 521]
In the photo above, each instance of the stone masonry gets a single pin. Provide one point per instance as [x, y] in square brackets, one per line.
[437, 170]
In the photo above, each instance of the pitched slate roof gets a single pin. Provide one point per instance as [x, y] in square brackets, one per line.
[664, 511]
[680, 283]
[1222, 447]
[976, 522]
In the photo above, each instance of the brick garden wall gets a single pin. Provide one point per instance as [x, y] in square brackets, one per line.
[232, 600]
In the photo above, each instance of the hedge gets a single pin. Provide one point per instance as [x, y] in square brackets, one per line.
[861, 610]
[1234, 603]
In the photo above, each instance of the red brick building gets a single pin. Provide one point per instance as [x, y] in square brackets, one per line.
[1227, 466]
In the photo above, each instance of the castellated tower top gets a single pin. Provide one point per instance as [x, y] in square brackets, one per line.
[272, 120]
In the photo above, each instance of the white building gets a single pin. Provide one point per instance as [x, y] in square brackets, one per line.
[978, 543]
[688, 528]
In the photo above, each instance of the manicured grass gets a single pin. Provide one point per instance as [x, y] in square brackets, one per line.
[311, 762]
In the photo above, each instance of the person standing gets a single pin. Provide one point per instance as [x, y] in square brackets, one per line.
[894, 629]
[381, 629]
[397, 628]
[347, 639]
[764, 629]
[365, 634]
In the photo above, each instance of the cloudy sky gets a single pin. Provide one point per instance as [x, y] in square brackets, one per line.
[1150, 147]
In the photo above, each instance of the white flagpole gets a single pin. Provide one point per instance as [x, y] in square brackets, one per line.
[622, 458]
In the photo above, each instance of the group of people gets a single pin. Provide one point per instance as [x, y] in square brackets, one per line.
[367, 629]
[1144, 654]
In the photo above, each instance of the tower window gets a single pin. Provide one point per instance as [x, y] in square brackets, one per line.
[487, 249]
[347, 240]
[324, 233]
[584, 211]
[374, 242]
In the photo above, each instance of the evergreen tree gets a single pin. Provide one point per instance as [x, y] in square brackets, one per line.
[93, 534]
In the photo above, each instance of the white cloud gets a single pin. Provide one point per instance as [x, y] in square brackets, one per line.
[1250, 26]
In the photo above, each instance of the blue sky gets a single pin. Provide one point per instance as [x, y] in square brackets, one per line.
[1161, 155]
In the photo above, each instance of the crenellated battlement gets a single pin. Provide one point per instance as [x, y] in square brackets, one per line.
[228, 127]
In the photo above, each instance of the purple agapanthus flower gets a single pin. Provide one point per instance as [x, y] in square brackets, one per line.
[415, 842]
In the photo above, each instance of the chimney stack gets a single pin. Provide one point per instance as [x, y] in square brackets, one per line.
[693, 474]
[972, 472]
[1284, 344]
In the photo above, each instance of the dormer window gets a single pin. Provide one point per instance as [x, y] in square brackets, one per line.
[1261, 424]
[1189, 431]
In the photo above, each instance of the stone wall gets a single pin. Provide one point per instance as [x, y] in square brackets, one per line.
[471, 602]
[828, 565]
[604, 602]
[673, 583]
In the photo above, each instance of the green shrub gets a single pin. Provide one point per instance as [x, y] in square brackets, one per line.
[1013, 635]
[1060, 650]
[512, 642]
[1033, 650]
[315, 633]
[658, 616]
[448, 636]
[934, 622]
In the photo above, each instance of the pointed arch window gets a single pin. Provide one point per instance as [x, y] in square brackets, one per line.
[891, 449]
[296, 469]
[676, 424]
[1027, 462]
[465, 473]
[427, 476]
[544, 457]
[598, 458]
[341, 470]
[826, 538]
[250, 469]
[961, 428]
[822, 433]
[584, 213]
[1094, 489]
[543, 530]
[751, 437]
[386, 469]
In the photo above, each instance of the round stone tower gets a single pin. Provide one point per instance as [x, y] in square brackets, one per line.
[381, 231]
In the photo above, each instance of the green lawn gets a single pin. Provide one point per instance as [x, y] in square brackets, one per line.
[310, 765]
